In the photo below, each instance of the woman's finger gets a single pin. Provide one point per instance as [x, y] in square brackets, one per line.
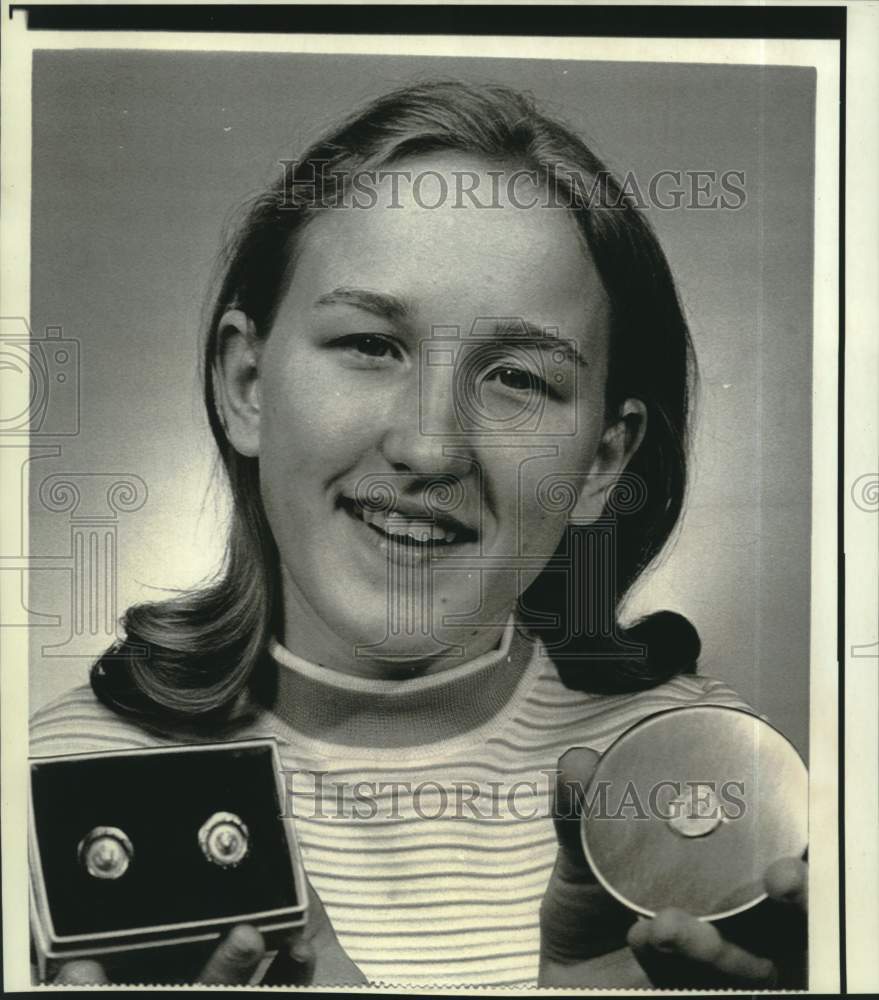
[235, 959]
[295, 963]
[787, 881]
[574, 772]
[313, 954]
[578, 918]
[84, 972]
[675, 948]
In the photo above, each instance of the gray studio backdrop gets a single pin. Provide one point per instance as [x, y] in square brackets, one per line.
[138, 159]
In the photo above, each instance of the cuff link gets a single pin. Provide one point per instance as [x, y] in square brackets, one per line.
[224, 840]
[105, 852]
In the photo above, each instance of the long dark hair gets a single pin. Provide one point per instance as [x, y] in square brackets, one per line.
[193, 655]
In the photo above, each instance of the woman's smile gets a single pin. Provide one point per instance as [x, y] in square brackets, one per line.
[408, 536]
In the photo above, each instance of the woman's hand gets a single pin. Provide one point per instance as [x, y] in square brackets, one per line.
[584, 931]
[311, 956]
[232, 963]
[762, 948]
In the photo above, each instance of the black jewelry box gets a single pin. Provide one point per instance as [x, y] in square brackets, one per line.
[141, 849]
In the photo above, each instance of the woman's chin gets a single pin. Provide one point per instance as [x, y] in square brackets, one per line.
[361, 627]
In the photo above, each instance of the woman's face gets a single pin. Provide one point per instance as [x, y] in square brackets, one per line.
[452, 362]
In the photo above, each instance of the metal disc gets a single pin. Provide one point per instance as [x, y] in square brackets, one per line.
[688, 809]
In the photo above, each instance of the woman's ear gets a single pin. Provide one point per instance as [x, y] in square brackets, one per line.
[236, 381]
[619, 442]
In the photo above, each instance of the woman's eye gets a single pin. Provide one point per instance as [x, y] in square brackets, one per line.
[518, 379]
[370, 345]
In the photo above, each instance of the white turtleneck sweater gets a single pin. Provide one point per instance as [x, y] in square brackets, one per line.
[423, 805]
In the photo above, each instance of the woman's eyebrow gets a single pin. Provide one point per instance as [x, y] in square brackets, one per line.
[514, 330]
[382, 304]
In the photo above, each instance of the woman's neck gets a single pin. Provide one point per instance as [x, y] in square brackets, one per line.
[415, 653]
[340, 714]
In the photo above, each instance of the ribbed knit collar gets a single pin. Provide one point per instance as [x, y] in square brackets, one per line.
[335, 708]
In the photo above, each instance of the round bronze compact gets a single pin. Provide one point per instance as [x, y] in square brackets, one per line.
[688, 809]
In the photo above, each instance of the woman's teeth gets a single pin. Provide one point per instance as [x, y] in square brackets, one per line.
[398, 525]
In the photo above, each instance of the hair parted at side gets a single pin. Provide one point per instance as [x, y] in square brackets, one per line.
[191, 656]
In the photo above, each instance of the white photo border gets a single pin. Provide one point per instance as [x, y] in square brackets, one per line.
[861, 692]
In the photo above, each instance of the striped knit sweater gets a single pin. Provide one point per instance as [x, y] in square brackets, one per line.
[422, 805]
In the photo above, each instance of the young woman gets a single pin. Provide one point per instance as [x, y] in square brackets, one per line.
[448, 377]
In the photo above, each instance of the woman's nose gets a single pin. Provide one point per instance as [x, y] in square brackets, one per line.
[423, 431]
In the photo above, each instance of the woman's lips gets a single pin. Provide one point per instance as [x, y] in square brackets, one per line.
[408, 535]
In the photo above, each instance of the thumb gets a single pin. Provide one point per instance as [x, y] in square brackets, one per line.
[83, 972]
[573, 774]
[312, 955]
[578, 918]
